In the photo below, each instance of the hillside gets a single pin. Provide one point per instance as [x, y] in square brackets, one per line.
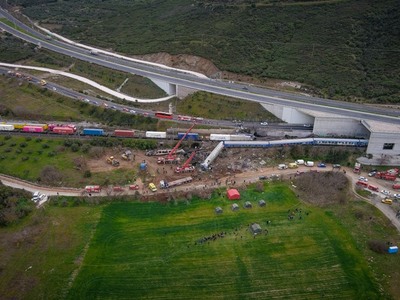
[342, 49]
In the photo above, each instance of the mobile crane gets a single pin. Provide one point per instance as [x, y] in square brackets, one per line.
[171, 157]
[186, 167]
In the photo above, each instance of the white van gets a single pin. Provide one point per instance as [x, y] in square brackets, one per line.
[309, 164]
[282, 167]
[300, 161]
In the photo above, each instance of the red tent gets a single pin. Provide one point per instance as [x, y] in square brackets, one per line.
[233, 194]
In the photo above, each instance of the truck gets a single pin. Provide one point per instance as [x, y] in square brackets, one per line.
[309, 164]
[156, 134]
[164, 184]
[362, 184]
[93, 131]
[357, 168]
[92, 189]
[396, 186]
[282, 166]
[124, 133]
[373, 188]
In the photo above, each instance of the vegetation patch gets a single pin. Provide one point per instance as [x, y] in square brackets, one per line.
[184, 248]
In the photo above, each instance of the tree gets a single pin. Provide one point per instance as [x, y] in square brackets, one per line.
[50, 175]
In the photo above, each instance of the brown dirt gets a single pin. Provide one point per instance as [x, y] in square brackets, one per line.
[204, 66]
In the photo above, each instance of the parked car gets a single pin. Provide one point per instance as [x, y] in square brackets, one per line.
[132, 111]
[134, 187]
[321, 165]
[262, 177]
[385, 192]
[362, 178]
[264, 123]
[125, 109]
[372, 173]
[397, 196]
[336, 166]
[387, 201]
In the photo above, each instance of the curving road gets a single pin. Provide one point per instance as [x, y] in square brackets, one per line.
[182, 78]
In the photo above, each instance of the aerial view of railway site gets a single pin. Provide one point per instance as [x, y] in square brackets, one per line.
[198, 149]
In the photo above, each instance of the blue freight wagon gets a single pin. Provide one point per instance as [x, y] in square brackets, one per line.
[93, 131]
[190, 136]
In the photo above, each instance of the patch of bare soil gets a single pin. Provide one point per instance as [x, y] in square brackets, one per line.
[204, 66]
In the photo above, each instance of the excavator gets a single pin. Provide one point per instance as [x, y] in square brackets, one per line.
[171, 158]
[112, 161]
[186, 167]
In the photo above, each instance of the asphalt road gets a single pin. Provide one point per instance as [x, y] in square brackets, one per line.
[235, 90]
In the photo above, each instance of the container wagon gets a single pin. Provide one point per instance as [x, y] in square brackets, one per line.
[6, 127]
[63, 130]
[124, 133]
[156, 134]
[220, 137]
[93, 131]
[29, 128]
[189, 136]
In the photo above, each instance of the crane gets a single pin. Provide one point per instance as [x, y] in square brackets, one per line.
[186, 167]
[171, 157]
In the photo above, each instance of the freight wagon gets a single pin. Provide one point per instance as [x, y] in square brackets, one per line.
[29, 128]
[230, 137]
[189, 136]
[63, 130]
[93, 131]
[156, 134]
[6, 127]
[124, 133]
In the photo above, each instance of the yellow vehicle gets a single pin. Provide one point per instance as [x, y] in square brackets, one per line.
[152, 187]
[43, 82]
[387, 201]
[293, 166]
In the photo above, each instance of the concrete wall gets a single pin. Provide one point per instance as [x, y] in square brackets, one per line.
[167, 87]
[289, 114]
[335, 126]
[376, 141]
[182, 91]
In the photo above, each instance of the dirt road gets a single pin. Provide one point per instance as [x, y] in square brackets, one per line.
[236, 180]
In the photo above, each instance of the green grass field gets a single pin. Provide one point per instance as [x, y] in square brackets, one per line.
[153, 251]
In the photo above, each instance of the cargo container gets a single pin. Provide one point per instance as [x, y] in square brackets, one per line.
[189, 136]
[124, 133]
[6, 127]
[63, 130]
[156, 134]
[32, 129]
[93, 131]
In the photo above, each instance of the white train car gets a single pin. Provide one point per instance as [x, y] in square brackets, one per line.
[156, 134]
[230, 137]
[6, 127]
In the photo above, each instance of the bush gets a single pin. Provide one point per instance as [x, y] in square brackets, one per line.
[38, 140]
[45, 146]
[23, 145]
[378, 246]
[87, 174]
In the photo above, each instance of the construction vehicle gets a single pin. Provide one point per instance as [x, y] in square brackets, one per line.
[127, 155]
[186, 167]
[171, 157]
[112, 161]
[43, 82]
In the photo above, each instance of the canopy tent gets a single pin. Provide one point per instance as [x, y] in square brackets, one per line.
[233, 194]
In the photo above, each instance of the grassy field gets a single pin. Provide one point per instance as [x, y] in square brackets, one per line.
[26, 158]
[353, 54]
[39, 255]
[154, 250]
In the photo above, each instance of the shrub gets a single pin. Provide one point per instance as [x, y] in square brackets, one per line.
[45, 146]
[23, 145]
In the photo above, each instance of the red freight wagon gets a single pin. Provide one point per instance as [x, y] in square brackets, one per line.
[30, 128]
[124, 133]
[63, 130]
